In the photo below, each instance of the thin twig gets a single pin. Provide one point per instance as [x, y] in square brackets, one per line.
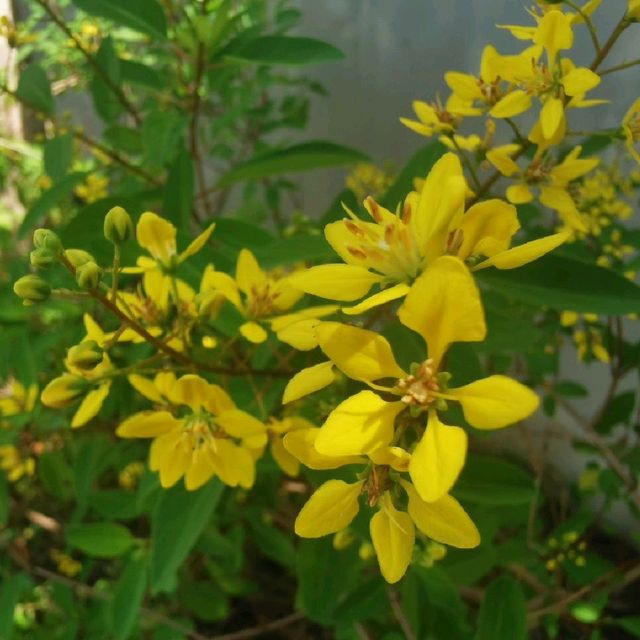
[396, 608]
[618, 67]
[254, 632]
[587, 21]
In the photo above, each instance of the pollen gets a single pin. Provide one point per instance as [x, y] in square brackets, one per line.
[420, 389]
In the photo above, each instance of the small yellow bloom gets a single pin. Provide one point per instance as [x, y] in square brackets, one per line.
[14, 464]
[93, 188]
[15, 399]
[435, 118]
[631, 128]
[213, 437]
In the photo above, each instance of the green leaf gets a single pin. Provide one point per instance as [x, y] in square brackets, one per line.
[566, 284]
[493, 481]
[630, 624]
[4, 500]
[301, 157]
[100, 539]
[34, 89]
[88, 463]
[298, 248]
[105, 99]
[10, 591]
[273, 542]
[138, 73]
[178, 195]
[127, 597]
[47, 201]
[417, 167]
[57, 156]
[570, 389]
[320, 584]
[503, 613]
[177, 521]
[618, 411]
[144, 16]
[286, 50]
[162, 133]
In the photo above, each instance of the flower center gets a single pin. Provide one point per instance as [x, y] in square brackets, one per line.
[421, 388]
[262, 300]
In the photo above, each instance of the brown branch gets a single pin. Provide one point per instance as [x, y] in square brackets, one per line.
[114, 88]
[254, 632]
[399, 615]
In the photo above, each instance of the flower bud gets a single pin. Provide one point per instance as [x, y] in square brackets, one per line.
[47, 239]
[32, 288]
[62, 391]
[42, 258]
[78, 257]
[117, 226]
[88, 275]
[85, 356]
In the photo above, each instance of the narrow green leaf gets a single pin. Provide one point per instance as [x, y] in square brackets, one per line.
[503, 613]
[10, 591]
[178, 195]
[286, 50]
[127, 597]
[138, 73]
[299, 248]
[105, 99]
[618, 411]
[301, 157]
[100, 539]
[34, 89]
[177, 521]
[566, 284]
[144, 16]
[493, 481]
[57, 156]
[630, 624]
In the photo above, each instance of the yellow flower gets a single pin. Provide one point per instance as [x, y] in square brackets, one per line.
[16, 399]
[14, 464]
[633, 9]
[277, 431]
[262, 298]
[213, 437]
[93, 188]
[367, 178]
[631, 126]
[65, 564]
[395, 249]
[434, 118]
[487, 92]
[551, 180]
[443, 306]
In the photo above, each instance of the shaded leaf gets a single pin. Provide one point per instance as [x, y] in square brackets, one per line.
[100, 539]
[145, 16]
[286, 50]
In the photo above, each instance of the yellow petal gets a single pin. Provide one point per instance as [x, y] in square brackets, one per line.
[358, 353]
[500, 158]
[463, 84]
[157, 236]
[197, 243]
[438, 459]
[343, 282]
[253, 332]
[308, 380]
[513, 104]
[559, 199]
[362, 423]
[554, 33]
[551, 116]
[382, 297]
[145, 387]
[524, 253]
[444, 306]
[190, 390]
[301, 445]
[239, 424]
[249, 275]
[200, 471]
[495, 402]
[487, 228]
[93, 329]
[172, 456]
[393, 537]
[331, 508]
[288, 463]
[579, 81]
[444, 521]
[519, 193]
[418, 127]
[301, 335]
[91, 405]
[147, 424]
[395, 457]
[224, 284]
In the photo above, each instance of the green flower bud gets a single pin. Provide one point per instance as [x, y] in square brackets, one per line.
[88, 275]
[32, 288]
[78, 257]
[42, 258]
[47, 239]
[85, 356]
[117, 226]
